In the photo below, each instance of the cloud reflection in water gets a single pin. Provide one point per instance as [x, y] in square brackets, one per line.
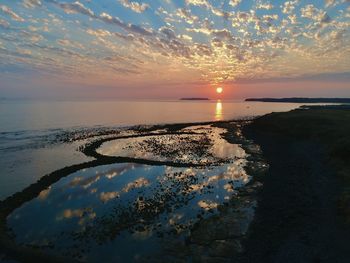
[131, 206]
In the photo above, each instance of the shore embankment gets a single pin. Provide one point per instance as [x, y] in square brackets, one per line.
[304, 208]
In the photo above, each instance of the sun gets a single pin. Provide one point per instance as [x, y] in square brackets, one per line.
[219, 90]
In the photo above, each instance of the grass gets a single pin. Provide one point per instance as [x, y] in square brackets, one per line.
[329, 126]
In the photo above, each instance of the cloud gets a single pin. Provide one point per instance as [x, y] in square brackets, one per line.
[99, 32]
[4, 24]
[329, 76]
[311, 12]
[204, 3]
[329, 3]
[267, 6]
[186, 15]
[234, 2]
[289, 6]
[134, 6]
[8, 11]
[76, 7]
[31, 3]
[69, 43]
[224, 33]
[198, 41]
[128, 27]
[168, 32]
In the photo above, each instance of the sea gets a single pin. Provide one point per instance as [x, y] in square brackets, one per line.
[31, 131]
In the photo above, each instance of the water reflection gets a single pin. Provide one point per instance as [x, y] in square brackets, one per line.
[131, 211]
[27, 151]
[126, 207]
[218, 111]
[207, 146]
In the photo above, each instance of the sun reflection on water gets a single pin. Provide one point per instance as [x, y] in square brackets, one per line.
[218, 111]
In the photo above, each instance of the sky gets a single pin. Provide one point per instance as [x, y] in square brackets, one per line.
[174, 48]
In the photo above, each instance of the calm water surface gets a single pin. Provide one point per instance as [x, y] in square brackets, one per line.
[38, 115]
[129, 212]
[29, 129]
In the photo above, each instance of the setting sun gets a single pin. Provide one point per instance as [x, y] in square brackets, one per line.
[219, 90]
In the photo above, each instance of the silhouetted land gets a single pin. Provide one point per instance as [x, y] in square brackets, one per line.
[304, 208]
[302, 100]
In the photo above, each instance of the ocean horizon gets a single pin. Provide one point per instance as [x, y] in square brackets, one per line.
[30, 115]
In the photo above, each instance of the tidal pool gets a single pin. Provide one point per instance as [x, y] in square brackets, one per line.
[124, 209]
[136, 212]
[205, 146]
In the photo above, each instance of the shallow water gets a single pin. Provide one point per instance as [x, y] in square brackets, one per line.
[127, 207]
[31, 132]
[206, 146]
[135, 212]
[42, 115]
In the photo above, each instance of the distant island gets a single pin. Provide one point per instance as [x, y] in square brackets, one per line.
[194, 99]
[302, 100]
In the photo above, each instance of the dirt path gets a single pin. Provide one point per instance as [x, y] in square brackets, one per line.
[296, 219]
